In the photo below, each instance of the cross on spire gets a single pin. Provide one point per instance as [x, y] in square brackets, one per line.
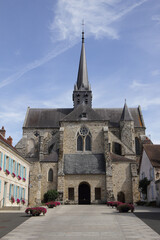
[83, 31]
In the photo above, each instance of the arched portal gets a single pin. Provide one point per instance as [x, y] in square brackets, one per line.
[121, 197]
[84, 193]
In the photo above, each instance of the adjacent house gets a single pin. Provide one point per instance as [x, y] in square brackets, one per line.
[14, 174]
[150, 168]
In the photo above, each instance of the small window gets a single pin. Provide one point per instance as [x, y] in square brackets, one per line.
[50, 175]
[116, 148]
[88, 143]
[84, 115]
[78, 101]
[86, 101]
[97, 193]
[79, 143]
[71, 194]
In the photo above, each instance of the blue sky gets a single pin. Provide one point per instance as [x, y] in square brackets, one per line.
[40, 44]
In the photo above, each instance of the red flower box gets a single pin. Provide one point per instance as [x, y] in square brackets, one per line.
[23, 201]
[7, 172]
[18, 200]
[13, 174]
[12, 199]
[19, 177]
[0, 168]
[24, 179]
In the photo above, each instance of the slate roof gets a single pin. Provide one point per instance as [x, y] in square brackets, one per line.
[50, 118]
[117, 158]
[126, 114]
[84, 164]
[153, 153]
[53, 157]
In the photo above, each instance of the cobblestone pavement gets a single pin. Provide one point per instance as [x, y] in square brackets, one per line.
[83, 222]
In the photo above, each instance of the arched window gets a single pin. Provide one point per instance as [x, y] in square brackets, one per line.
[137, 146]
[84, 139]
[50, 175]
[79, 143]
[88, 143]
[116, 148]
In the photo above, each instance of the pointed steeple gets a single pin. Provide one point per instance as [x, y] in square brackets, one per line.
[82, 93]
[82, 78]
[126, 114]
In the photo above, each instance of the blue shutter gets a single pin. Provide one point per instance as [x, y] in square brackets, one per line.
[10, 189]
[17, 168]
[20, 193]
[11, 166]
[24, 193]
[14, 191]
[1, 160]
[25, 174]
[22, 171]
[4, 166]
[0, 186]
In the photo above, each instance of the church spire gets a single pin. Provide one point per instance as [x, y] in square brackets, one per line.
[82, 78]
[126, 114]
[82, 93]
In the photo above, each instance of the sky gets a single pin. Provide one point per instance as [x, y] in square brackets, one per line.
[40, 43]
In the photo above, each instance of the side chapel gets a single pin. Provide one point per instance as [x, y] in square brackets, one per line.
[89, 155]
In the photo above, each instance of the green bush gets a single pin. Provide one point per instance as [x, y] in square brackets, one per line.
[125, 207]
[50, 195]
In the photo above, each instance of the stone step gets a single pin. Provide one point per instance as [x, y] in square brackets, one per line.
[10, 208]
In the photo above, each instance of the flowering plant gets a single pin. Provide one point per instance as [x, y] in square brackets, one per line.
[36, 211]
[125, 207]
[0, 168]
[18, 200]
[7, 172]
[13, 174]
[23, 201]
[24, 179]
[114, 204]
[19, 177]
[12, 199]
[51, 204]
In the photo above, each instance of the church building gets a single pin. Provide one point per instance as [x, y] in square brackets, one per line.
[89, 155]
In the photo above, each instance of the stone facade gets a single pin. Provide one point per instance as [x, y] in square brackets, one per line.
[90, 151]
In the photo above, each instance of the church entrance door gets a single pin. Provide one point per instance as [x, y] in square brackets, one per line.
[84, 193]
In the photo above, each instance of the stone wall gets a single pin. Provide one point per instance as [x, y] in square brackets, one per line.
[39, 183]
[95, 181]
[122, 180]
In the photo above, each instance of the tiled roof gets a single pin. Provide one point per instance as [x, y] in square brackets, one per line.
[84, 164]
[50, 118]
[153, 153]
[117, 158]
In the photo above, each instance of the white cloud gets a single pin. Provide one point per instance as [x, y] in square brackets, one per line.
[155, 72]
[98, 16]
[156, 18]
[137, 85]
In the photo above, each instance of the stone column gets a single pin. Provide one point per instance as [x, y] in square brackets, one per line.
[60, 166]
[41, 148]
[109, 183]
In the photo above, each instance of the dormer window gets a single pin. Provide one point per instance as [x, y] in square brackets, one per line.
[78, 101]
[84, 115]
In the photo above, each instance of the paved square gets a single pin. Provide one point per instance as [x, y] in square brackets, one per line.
[85, 222]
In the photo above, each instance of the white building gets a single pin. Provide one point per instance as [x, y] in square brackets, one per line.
[14, 174]
[150, 168]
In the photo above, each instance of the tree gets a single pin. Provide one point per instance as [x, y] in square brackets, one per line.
[50, 195]
[143, 184]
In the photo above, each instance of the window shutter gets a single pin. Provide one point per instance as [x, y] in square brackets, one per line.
[24, 193]
[1, 159]
[11, 166]
[14, 191]
[10, 189]
[4, 166]
[20, 193]
[25, 173]
[17, 168]
[0, 186]
[22, 171]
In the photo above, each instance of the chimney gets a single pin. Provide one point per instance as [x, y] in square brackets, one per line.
[9, 140]
[3, 131]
